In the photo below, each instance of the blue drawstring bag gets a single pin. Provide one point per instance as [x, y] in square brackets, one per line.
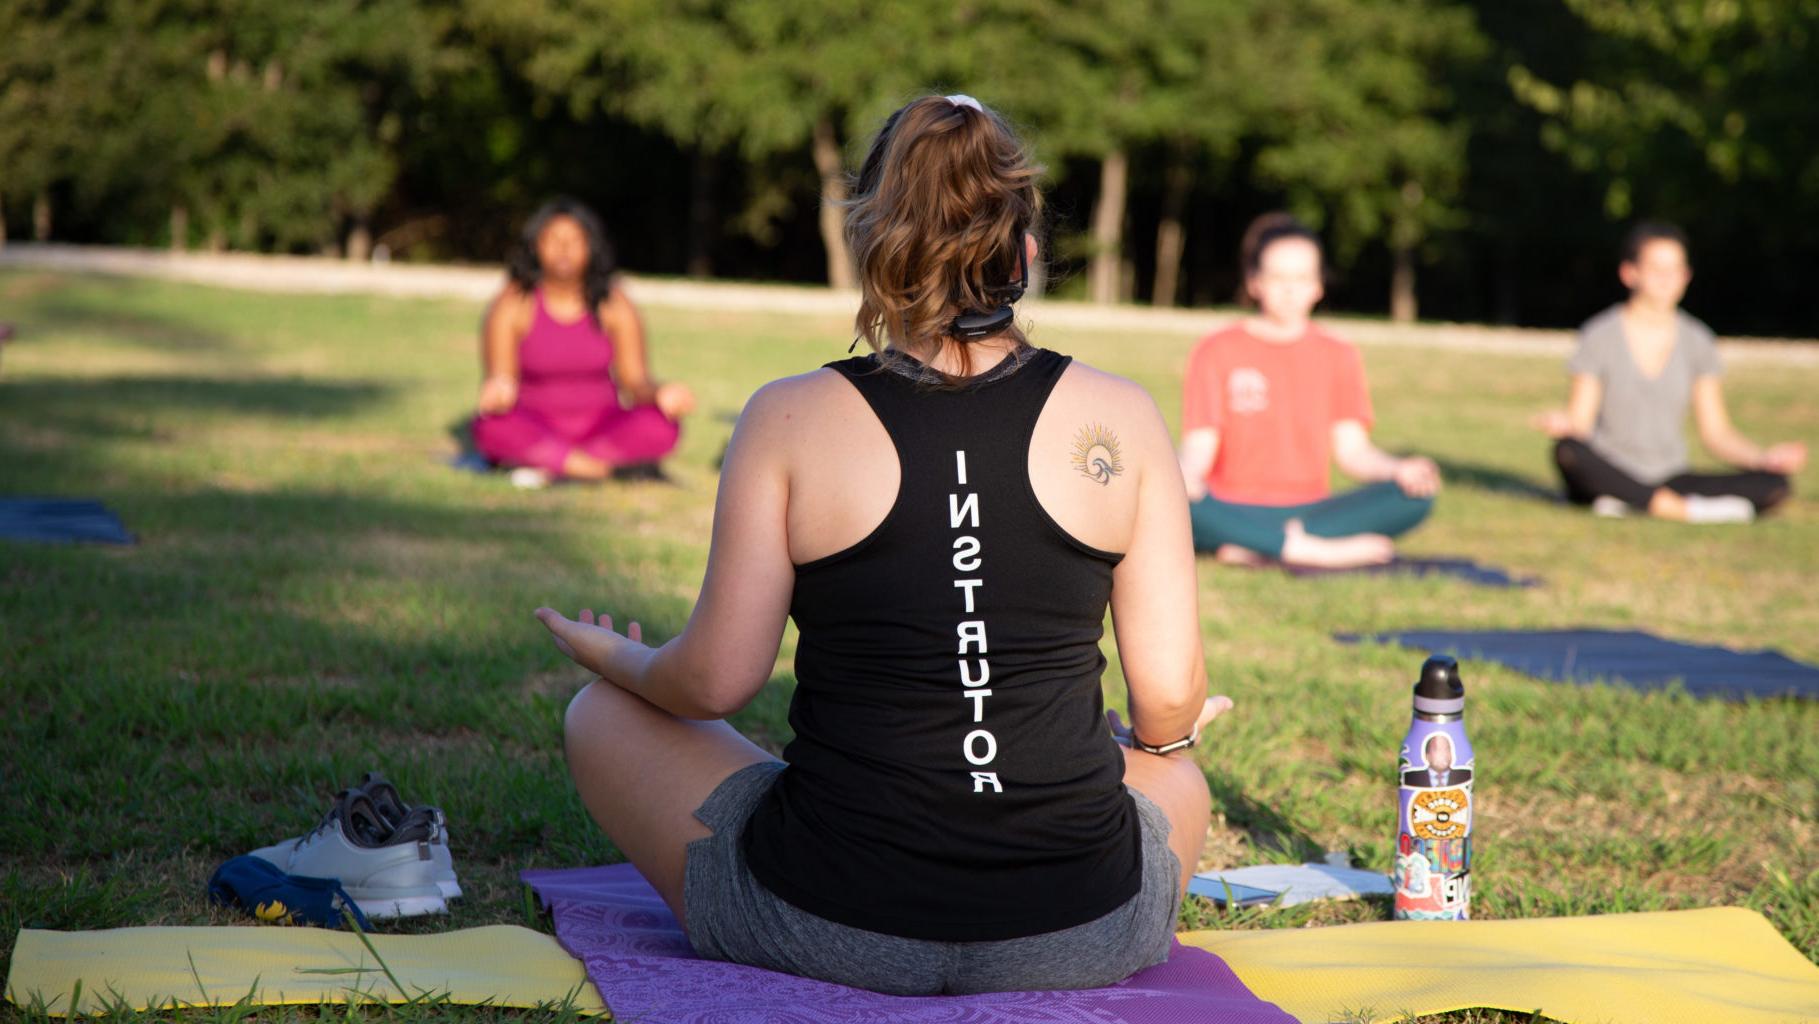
[263, 890]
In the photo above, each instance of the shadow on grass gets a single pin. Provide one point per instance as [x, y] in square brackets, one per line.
[90, 400]
[202, 693]
[44, 317]
[1269, 830]
[1495, 479]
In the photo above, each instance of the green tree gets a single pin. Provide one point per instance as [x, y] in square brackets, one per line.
[1683, 95]
[1104, 79]
[1360, 133]
[760, 79]
[268, 123]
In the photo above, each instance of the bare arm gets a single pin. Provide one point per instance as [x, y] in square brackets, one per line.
[1362, 460]
[501, 332]
[1580, 417]
[631, 362]
[1727, 443]
[1199, 450]
[1155, 600]
[724, 655]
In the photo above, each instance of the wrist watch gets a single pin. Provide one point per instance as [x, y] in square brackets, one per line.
[1166, 748]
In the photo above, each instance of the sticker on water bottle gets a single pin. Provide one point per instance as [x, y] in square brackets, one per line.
[1434, 845]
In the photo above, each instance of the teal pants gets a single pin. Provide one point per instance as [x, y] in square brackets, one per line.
[1373, 508]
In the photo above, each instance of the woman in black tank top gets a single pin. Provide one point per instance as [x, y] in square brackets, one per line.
[946, 520]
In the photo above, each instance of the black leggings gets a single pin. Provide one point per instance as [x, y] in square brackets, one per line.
[1587, 475]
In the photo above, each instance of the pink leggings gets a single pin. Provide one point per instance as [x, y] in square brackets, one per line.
[618, 437]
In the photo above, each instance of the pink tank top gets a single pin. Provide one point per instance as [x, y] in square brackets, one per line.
[565, 369]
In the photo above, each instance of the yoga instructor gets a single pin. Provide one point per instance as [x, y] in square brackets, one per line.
[946, 519]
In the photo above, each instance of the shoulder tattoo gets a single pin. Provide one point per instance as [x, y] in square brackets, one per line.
[1096, 455]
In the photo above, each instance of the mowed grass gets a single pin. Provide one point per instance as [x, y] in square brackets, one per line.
[314, 594]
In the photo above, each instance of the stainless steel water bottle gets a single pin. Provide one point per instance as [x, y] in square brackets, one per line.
[1434, 801]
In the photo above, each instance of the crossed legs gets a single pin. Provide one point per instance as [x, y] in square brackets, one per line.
[642, 772]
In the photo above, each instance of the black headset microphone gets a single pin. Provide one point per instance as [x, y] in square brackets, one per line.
[976, 325]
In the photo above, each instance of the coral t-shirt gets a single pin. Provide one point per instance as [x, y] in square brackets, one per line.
[1274, 405]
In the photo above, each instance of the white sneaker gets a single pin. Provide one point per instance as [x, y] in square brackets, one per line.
[1722, 508]
[399, 815]
[1607, 507]
[529, 478]
[388, 871]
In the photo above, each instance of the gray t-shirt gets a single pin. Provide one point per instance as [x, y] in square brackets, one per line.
[1641, 420]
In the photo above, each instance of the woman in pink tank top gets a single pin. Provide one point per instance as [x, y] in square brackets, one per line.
[562, 344]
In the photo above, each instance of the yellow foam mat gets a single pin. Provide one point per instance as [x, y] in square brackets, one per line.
[501, 964]
[1707, 966]
[1722, 965]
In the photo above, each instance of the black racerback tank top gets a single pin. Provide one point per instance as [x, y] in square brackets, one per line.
[952, 777]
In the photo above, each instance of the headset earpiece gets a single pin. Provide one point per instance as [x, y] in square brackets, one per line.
[976, 325]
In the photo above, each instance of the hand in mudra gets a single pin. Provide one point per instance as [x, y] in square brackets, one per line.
[1555, 423]
[497, 395]
[1213, 708]
[675, 400]
[1788, 457]
[1418, 477]
[588, 643]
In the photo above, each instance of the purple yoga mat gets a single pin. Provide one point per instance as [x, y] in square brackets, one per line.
[611, 920]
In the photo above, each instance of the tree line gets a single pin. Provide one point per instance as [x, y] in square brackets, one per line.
[1464, 158]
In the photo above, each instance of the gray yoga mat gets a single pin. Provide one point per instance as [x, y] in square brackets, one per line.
[1455, 568]
[1627, 657]
[60, 520]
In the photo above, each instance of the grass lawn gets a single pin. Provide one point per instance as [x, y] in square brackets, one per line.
[315, 594]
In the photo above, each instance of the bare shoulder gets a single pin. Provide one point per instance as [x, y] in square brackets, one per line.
[1092, 391]
[617, 299]
[805, 401]
[511, 307]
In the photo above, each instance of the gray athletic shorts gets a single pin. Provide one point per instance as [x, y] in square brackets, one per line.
[732, 917]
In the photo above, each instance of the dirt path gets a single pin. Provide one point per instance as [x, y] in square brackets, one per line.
[478, 283]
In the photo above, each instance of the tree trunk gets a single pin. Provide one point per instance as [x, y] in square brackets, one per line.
[41, 216]
[2, 222]
[1405, 233]
[360, 240]
[179, 227]
[840, 272]
[701, 213]
[1171, 233]
[1402, 286]
[1105, 270]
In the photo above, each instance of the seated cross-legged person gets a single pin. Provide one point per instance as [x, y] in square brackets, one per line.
[946, 520]
[1638, 365]
[1268, 402]
[561, 343]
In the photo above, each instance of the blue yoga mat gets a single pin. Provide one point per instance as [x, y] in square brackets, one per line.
[60, 519]
[1636, 659]
[1455, 568]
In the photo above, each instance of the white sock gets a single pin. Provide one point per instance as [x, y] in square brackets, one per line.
[1724, 508]
[1609, 507]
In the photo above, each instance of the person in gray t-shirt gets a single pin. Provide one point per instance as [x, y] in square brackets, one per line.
[1637, 368]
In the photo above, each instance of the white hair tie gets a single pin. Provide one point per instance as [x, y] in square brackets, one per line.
[961, 99]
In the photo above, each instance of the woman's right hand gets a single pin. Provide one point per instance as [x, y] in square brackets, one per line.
[1555, 423]
[497, 395]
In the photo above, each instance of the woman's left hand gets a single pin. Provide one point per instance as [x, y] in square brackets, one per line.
[595, 646]
[675, 400]
[1418, 477]
[1786, 458]
[1213, 708]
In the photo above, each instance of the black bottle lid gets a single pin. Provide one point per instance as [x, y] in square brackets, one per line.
[1440, 691]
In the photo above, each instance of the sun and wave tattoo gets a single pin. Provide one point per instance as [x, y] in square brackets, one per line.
[1096, 455]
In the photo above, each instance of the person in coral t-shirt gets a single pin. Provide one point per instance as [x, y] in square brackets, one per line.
[1272, 400]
